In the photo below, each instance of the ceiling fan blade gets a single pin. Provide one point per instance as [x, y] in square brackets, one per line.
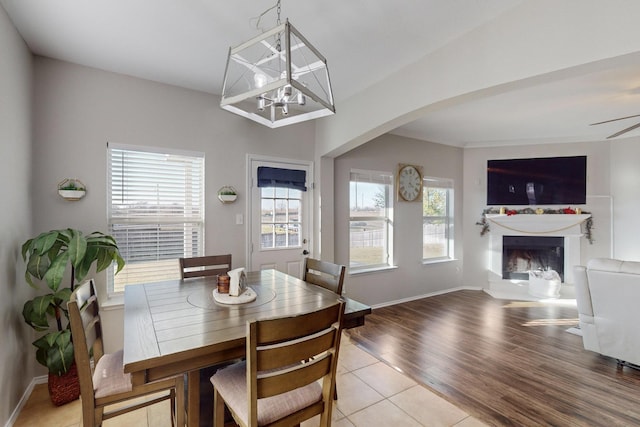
[629, 129]
[615, 120]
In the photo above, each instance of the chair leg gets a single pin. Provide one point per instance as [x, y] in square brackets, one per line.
[218, 409]
[172, 402]
[335, 392]
[179, 402]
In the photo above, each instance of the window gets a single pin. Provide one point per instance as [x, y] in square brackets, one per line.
[437, 219]
[155, 211]
[280, 217]
[370, 220]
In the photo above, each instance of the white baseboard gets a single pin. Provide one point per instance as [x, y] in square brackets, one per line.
[23, 400]
[432, 294]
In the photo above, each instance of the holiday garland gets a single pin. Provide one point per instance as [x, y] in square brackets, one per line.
[484, 222]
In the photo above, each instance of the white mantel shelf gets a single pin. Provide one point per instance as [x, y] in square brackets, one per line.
[561, 224]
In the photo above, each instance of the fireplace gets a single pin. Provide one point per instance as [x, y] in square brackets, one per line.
[520, 254]
[565, 228]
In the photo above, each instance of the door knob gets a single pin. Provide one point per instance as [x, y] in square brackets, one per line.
[305, 252]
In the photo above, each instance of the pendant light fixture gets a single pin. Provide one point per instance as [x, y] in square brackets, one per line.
[277, 78]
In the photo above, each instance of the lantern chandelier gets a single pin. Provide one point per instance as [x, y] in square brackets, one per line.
[277, 78]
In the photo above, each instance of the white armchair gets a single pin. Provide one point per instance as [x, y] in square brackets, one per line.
[607, 293]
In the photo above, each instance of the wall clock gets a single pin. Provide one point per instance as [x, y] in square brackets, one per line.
[409, 183]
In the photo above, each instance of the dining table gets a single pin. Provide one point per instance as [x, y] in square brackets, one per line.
[178, 327]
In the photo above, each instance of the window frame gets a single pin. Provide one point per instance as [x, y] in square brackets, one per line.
[388, 180]
[430, 182]
[192, 224]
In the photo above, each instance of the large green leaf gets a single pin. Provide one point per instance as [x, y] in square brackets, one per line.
[60, 354]
[54, 275]
[90, 256]
[26, 248]
[44, 242]
[101, 238]
[37, 265]
[35, 317]
[120, 262]
[55, 351]
[62, 297]
[77, 247]
[42, 303]
[108, 251]
[42, 345]
[65, 235]
[55, 249]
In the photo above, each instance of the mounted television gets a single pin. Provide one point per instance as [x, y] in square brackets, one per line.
[537, 181]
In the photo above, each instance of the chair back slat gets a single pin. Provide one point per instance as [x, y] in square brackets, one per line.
[272, 331]
[325, 274]
[211, 265]
[302, 374]
[286, 353]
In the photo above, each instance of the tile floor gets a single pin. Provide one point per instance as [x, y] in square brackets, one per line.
[370, 393]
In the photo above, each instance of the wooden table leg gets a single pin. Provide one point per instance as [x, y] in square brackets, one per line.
[193, 399]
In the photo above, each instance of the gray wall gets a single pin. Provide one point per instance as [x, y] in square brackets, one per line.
[411, 278]
[625, 189]
[80, 109]
[16, 352]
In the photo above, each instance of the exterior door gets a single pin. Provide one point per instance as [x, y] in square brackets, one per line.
[280, 220]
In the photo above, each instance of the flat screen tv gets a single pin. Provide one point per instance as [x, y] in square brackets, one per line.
[537, 181]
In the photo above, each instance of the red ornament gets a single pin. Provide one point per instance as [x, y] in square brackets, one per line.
[511, 212]
[568, 211]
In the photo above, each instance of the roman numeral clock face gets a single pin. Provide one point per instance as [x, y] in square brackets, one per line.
[409, 183]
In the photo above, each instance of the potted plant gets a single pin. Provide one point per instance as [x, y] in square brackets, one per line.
[227, 194]
[71, 189]
[47, 257]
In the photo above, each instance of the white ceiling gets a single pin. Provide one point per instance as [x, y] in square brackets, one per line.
[185, 43]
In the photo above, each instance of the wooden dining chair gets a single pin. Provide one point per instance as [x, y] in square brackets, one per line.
[272, 387]
[107, 384]
[211, 265]
[325, 274]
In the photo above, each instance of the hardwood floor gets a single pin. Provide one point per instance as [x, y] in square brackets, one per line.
[504, 362]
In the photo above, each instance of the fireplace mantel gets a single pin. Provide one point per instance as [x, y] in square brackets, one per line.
[550, 224]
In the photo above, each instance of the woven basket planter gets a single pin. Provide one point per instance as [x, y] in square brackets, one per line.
[64, 388]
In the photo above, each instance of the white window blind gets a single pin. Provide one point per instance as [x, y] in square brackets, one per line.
[155, 210]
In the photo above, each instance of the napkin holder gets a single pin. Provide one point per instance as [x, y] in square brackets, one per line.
[238, 282]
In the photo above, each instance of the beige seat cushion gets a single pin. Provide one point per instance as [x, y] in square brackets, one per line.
[231, 383]
[109, 377]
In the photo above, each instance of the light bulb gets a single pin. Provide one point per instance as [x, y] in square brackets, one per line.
[260, 80]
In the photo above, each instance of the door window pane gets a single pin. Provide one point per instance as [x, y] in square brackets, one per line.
[280, 217]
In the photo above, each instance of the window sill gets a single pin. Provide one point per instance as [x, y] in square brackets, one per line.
[114, 302]
[372, 270]
[437, 261]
